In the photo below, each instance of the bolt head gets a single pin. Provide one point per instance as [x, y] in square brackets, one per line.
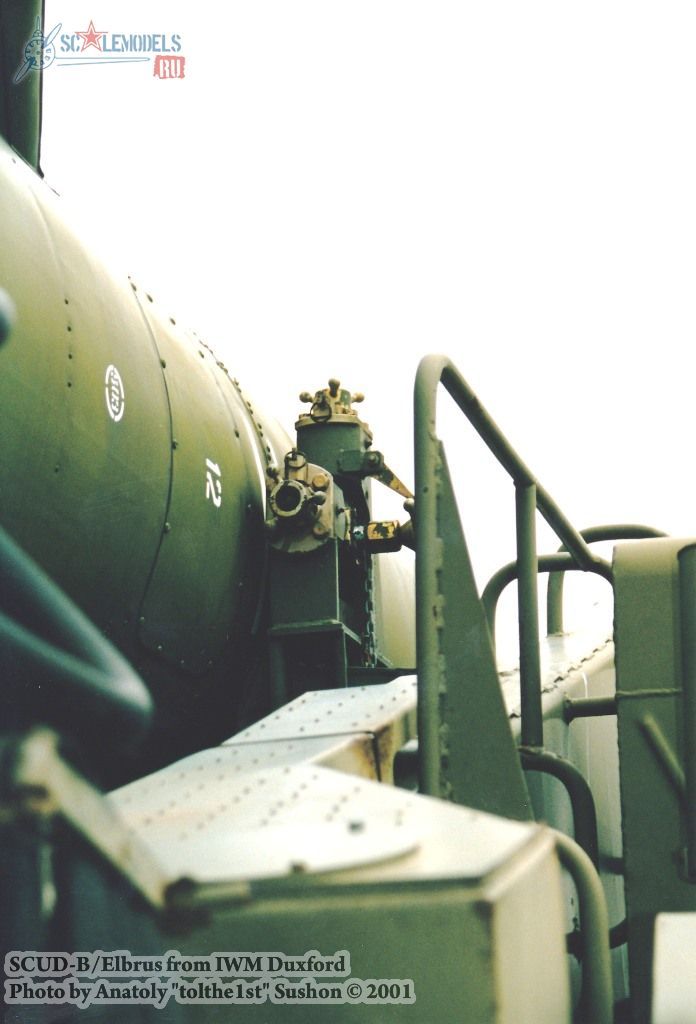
[320, 481]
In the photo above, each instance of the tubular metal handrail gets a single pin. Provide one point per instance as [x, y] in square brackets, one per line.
[557, 564]
[579, 793]
[530, 496]
[594, 926]
[594, 534]
[45, 638]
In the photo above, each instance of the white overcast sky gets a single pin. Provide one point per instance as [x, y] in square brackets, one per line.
[340, 188]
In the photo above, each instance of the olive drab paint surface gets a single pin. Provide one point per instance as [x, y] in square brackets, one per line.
[130, 465]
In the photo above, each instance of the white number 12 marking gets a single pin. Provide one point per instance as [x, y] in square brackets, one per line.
[213, 483]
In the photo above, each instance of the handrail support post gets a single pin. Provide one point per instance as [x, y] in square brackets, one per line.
[528, 604]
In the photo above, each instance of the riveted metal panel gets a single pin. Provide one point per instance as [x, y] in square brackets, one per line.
[205, 586]
[324, 712]
[84, 461]
[194, 835]
[430, 891]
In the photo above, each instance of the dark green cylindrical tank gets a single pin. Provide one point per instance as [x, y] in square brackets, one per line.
[132, 469]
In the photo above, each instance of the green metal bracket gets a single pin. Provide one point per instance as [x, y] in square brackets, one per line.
[360, 463]
[478, 763]
[655, 595]
[447, 597]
